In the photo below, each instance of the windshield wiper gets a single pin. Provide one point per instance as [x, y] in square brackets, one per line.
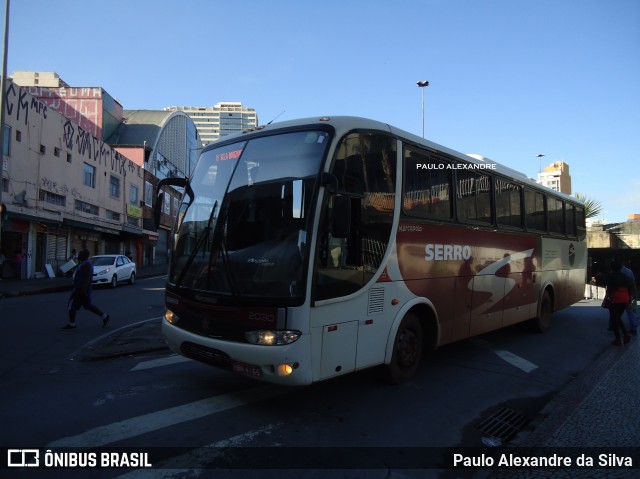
[233, 284]
[201, 241]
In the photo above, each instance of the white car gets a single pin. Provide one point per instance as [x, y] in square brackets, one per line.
[111, 268]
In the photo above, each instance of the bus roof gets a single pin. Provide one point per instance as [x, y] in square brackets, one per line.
[343, 124]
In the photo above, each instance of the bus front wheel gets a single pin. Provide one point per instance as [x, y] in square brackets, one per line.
[407, 350]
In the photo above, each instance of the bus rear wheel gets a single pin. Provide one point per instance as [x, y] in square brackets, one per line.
[543, 322]
[407, 350]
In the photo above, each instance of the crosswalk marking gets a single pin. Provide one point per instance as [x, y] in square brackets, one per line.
[135, 426]
[196, 458]
[155, 363]
[508, 356]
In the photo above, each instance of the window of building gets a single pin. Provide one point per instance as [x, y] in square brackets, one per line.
[6, 139]
[166, 203]
[427, 186]
[43, 149]
[56, 152]
[86, 207]
[473, 197]
[114, 186]
[133, 195]
[148, 193]
[508, 204]
[112, 215]
[133, 221]
[68, 157]
[89, 178]
[52, 198]
[18, 136]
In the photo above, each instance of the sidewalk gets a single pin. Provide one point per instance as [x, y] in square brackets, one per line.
[596, 413]
[23, 287]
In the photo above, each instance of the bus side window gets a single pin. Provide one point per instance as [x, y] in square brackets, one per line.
[570, 215]
[427, 186]
[473, 197]
[556, 216]
[365, 166]
[535, 210]
[508, 204]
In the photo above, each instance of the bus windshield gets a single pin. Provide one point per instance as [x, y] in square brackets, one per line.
[242, 228]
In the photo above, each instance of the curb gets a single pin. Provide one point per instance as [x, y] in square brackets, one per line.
[129, 340]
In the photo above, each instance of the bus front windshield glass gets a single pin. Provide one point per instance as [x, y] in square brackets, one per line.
[242, 229]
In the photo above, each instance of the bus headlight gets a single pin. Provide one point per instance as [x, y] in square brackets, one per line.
[272, 338]
[171, 317]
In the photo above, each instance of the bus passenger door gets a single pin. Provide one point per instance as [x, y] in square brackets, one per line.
[352, 240]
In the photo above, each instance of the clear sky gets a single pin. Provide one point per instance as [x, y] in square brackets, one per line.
[508, 78]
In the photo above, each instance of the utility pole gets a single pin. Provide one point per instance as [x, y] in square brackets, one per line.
[3, 86]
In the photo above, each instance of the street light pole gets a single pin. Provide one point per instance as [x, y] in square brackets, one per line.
[540, 155]
[422, 84]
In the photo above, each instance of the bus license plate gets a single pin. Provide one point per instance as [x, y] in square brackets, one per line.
[248, 370]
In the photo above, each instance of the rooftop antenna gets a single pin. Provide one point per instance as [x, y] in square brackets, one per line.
[281, 113]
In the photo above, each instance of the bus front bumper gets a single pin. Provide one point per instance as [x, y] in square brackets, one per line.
[287, 365]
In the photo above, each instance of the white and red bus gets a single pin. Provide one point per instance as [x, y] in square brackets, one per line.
[309, 249]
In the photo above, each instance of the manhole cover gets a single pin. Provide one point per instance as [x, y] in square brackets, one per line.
[504, 424]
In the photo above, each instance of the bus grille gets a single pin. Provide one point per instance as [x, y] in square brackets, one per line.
[212, 357]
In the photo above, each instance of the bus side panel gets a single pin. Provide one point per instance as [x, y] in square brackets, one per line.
[471, 276]
[462, 298]
[522, 300]
[563, 263]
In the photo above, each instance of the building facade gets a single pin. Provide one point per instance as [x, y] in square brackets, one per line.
[91, 108]
[64, 189]
[556, 176]
[214, 122]
[166, 143]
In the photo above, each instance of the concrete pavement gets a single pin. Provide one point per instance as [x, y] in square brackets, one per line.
[132, 339]
[597, 412]
[23, 287]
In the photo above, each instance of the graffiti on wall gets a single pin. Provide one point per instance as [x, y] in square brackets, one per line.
[60, 189]
[80, 105]
[19, 105]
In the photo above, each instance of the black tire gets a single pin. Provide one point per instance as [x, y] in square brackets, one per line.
[132, 278]
[114, 281]
[407, 350]
[543, 321]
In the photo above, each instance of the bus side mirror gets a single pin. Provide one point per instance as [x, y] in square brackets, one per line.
[330, 182]
[341, 223]
[157, 206]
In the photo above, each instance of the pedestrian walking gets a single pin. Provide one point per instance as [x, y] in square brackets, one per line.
[81, 293]
[631, 315]
[619, 295]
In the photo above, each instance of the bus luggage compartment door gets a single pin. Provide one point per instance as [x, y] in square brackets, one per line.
[338, 349]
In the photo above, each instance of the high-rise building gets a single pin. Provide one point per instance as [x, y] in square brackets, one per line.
[221, 119]
[39, 79]
[556, 176]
